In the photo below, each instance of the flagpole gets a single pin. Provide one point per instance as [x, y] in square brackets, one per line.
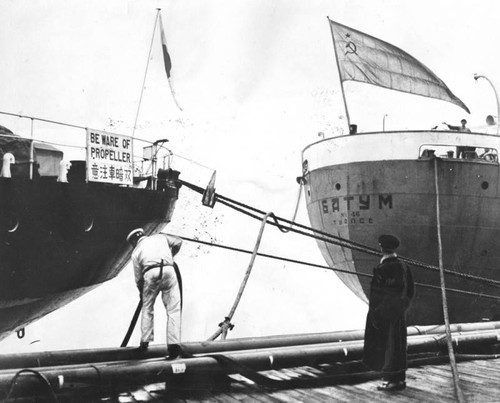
[340, 77]
[146, 72]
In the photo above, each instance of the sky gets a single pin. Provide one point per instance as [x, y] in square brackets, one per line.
[257, 83]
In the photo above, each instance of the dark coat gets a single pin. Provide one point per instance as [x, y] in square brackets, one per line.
[391, 292]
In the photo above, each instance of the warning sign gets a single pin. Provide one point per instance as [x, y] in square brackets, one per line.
[109, 157]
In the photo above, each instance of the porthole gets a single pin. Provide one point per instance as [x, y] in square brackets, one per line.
[10, 223]
[14, 225]
[485, 185]
[88, 224]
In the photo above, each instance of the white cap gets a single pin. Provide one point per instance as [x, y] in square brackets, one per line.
[135, 235]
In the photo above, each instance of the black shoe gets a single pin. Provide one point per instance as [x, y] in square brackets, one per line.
[172, 355]
[143, 346]
[174, 351]
[392, 386]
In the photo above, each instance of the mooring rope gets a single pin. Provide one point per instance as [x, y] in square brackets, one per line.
[336, 240]
[453, 363]
[320, 266]
[226, 324]
[330, 238]
[299, 194]
[41, 377]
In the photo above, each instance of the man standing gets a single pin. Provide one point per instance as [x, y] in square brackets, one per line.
[391, 291]
[154, 272]
[462, 150]
[461, 128]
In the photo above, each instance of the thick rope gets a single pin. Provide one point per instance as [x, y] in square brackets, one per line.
[453, 363]
[226, 325]
[41, 377]
[299, 194]
[132, 324]
[320, 266]
[330, 238]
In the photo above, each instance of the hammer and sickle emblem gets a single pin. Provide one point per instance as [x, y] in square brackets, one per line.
[351, 48]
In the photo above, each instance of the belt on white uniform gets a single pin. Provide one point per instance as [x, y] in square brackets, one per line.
[154, 266]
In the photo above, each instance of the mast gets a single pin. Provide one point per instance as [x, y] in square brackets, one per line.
[340, 79]
[146, 72]
[153, 161]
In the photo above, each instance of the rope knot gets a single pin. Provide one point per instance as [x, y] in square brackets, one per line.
[226, 324]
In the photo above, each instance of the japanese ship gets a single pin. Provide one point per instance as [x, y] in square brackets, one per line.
[436, 190]
[62, 231]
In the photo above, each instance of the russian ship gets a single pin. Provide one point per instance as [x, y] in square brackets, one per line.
[62, 231]
[437, 190]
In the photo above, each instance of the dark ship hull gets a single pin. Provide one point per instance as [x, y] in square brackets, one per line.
[60, 240]
[358, 189]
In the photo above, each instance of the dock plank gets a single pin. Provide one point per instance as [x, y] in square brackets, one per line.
[479, 381]
[360, 392]
[294, 394]
[332, 393]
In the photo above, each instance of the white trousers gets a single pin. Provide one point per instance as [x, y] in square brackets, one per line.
[171, 297]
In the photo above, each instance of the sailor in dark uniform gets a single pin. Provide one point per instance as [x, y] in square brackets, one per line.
[391, 291]
[153, 260]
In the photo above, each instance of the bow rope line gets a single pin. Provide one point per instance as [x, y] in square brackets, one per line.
[319, 266]
[299, 193]
[348, 243]
[226, 324]
[449, 343]
[329, 238]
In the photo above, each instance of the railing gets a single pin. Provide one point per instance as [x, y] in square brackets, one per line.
[458, 152]
[159, 155]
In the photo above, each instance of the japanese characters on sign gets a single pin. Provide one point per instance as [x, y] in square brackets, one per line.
[109, 157]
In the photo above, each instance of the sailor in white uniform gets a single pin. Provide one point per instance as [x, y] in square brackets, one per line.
[154, 273]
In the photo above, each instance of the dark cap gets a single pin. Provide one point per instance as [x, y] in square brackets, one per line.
[388, 242]
[463, 121]
[135, 235]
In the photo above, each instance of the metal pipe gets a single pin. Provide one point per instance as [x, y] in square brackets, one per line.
[72, 357]
[204, 347]
[157, 370]
[67, 357]
[32, 151]
[42, 120]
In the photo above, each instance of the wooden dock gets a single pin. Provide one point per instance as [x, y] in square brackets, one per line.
[324, 367]
[479, 380]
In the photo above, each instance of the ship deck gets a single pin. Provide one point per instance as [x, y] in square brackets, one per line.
[479, 381]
